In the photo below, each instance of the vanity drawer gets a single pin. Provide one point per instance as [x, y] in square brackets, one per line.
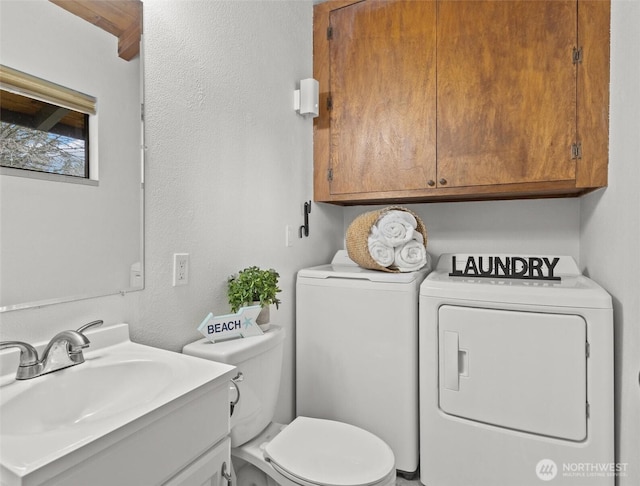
[207, 469]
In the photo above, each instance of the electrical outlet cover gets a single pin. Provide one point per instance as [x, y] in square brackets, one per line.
[180, 269]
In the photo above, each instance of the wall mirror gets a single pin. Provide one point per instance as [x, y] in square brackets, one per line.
[67, 238]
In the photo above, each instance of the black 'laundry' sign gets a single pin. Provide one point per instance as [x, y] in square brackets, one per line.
[538, 268]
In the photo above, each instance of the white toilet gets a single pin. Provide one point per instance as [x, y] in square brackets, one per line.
[308, 451]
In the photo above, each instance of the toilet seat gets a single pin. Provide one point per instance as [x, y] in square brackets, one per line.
[314, 452]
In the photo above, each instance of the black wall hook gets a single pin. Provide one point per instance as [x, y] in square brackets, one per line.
[305, 227]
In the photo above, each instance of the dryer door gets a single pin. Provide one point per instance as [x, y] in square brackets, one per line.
[519, 370]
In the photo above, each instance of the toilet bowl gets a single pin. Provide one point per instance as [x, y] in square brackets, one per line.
[308, 451]
[312, 452]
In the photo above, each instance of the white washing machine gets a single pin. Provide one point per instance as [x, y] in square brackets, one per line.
[516, 379]
[357, 351]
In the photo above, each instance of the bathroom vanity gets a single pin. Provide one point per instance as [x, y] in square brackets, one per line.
[129, 415]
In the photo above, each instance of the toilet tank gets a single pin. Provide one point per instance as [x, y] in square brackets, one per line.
[259, 359]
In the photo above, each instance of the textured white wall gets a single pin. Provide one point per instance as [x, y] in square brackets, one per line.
[610, 230]
[228, 162]
[541, 226]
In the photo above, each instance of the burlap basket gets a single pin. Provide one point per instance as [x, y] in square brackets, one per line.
[358, 234]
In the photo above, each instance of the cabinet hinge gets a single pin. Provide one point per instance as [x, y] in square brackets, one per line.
[588, 410]
[577, 55]
[330, 175]
[576, 151]
[329, 33]
[142, 111]
[587, 349]
[329, 101]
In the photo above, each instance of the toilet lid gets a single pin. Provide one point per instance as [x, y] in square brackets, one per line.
[325, 452]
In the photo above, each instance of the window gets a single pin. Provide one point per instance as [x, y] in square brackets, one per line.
[44, 126]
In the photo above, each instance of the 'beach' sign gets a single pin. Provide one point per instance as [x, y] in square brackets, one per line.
[228, 326]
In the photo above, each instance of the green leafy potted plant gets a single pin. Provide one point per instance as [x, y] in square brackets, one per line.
[254, 286]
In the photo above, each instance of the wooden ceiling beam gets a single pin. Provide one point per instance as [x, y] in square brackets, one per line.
[122, 18]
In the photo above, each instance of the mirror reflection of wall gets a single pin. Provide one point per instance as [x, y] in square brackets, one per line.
[61, 240]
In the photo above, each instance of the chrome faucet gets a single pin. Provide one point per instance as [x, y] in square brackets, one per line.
[63, 351]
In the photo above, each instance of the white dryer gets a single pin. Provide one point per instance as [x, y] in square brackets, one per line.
[516, 378]
[357, 351]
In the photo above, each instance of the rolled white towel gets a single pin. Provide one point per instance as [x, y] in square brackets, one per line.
[411, 256]
[381, 253]
[395, 228]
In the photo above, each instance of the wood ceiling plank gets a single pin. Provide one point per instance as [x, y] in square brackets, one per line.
[122, 18]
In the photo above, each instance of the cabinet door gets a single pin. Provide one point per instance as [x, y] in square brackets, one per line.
[382, 83]
[506, 91]
[208, 469]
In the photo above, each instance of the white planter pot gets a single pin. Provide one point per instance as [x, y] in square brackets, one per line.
[264, 318]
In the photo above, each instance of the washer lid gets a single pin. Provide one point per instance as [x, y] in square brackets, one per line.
[317, 451]
[343, 267]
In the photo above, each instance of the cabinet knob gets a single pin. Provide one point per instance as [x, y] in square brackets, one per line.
[443, 181]
[431, 183]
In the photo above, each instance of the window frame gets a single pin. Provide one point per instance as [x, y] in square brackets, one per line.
[30, 86]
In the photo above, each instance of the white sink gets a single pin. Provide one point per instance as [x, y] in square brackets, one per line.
[48, 418]
[83, 395]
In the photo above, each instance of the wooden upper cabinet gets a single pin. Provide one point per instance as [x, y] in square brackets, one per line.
[506, 91]
[383, 86]
[451, 99]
